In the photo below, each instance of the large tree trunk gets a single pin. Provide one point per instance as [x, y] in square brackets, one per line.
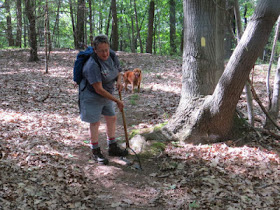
[149, 44]
[199, 58]
[172, 32]
[30, 13]
[209, 119]
[229, 36]
[219, 37]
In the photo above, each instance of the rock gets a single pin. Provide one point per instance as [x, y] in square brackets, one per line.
[138, 143]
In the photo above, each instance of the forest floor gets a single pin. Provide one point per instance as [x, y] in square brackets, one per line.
[45, 160]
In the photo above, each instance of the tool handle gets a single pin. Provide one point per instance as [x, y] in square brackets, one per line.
[124, 124]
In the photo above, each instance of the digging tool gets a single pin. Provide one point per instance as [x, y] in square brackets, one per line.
[128, 162]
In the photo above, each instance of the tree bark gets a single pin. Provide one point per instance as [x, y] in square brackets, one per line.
[115, 33]
[199, 58]
[210, 119]
[220, 35]
[229, 37]
[149, 44]
[30, 13]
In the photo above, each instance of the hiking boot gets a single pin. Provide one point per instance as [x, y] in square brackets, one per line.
[115, 150]
[98, 157]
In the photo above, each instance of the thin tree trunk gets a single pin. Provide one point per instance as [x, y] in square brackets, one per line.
[56, 25]
[132, 44]
[25, 32]
[91, 23]
[115, 33]
[80, 32]
[273, 107]
[249, 97]
[9, 31]
[19, 23]
[149, 44]
[268, 91]
[30, 13]
[137, 27]
[73, 24]
[46, 37]
[108, 21]
[274, 110]
[172, 22]
[159, 31]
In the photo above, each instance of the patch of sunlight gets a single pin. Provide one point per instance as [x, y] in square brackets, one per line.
[167, 87]
[12, 116]
[248, 155]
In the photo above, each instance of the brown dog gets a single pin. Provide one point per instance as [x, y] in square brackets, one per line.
[134, 78]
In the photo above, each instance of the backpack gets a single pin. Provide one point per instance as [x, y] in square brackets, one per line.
[81, 59]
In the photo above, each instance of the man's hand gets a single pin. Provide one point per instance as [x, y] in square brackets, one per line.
[119, 86]
[119, 82]
[120, 105]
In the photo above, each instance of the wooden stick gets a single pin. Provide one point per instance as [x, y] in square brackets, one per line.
[124, 124]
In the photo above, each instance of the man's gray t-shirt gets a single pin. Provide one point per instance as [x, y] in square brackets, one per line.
[107, 74]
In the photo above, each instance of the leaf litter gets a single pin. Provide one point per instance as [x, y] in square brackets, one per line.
[45, 159]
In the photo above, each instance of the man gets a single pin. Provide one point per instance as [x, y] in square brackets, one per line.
[96, 99]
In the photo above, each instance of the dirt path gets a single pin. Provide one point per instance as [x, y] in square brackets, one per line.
[45, 157]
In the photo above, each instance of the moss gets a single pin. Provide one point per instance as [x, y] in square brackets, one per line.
[159, 126]
[134, 132]
[133, 99]
[157, 147]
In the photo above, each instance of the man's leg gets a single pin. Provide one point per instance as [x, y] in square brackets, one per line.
[93, 132]
[114, 149]
[97, 155]
[110, 126]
